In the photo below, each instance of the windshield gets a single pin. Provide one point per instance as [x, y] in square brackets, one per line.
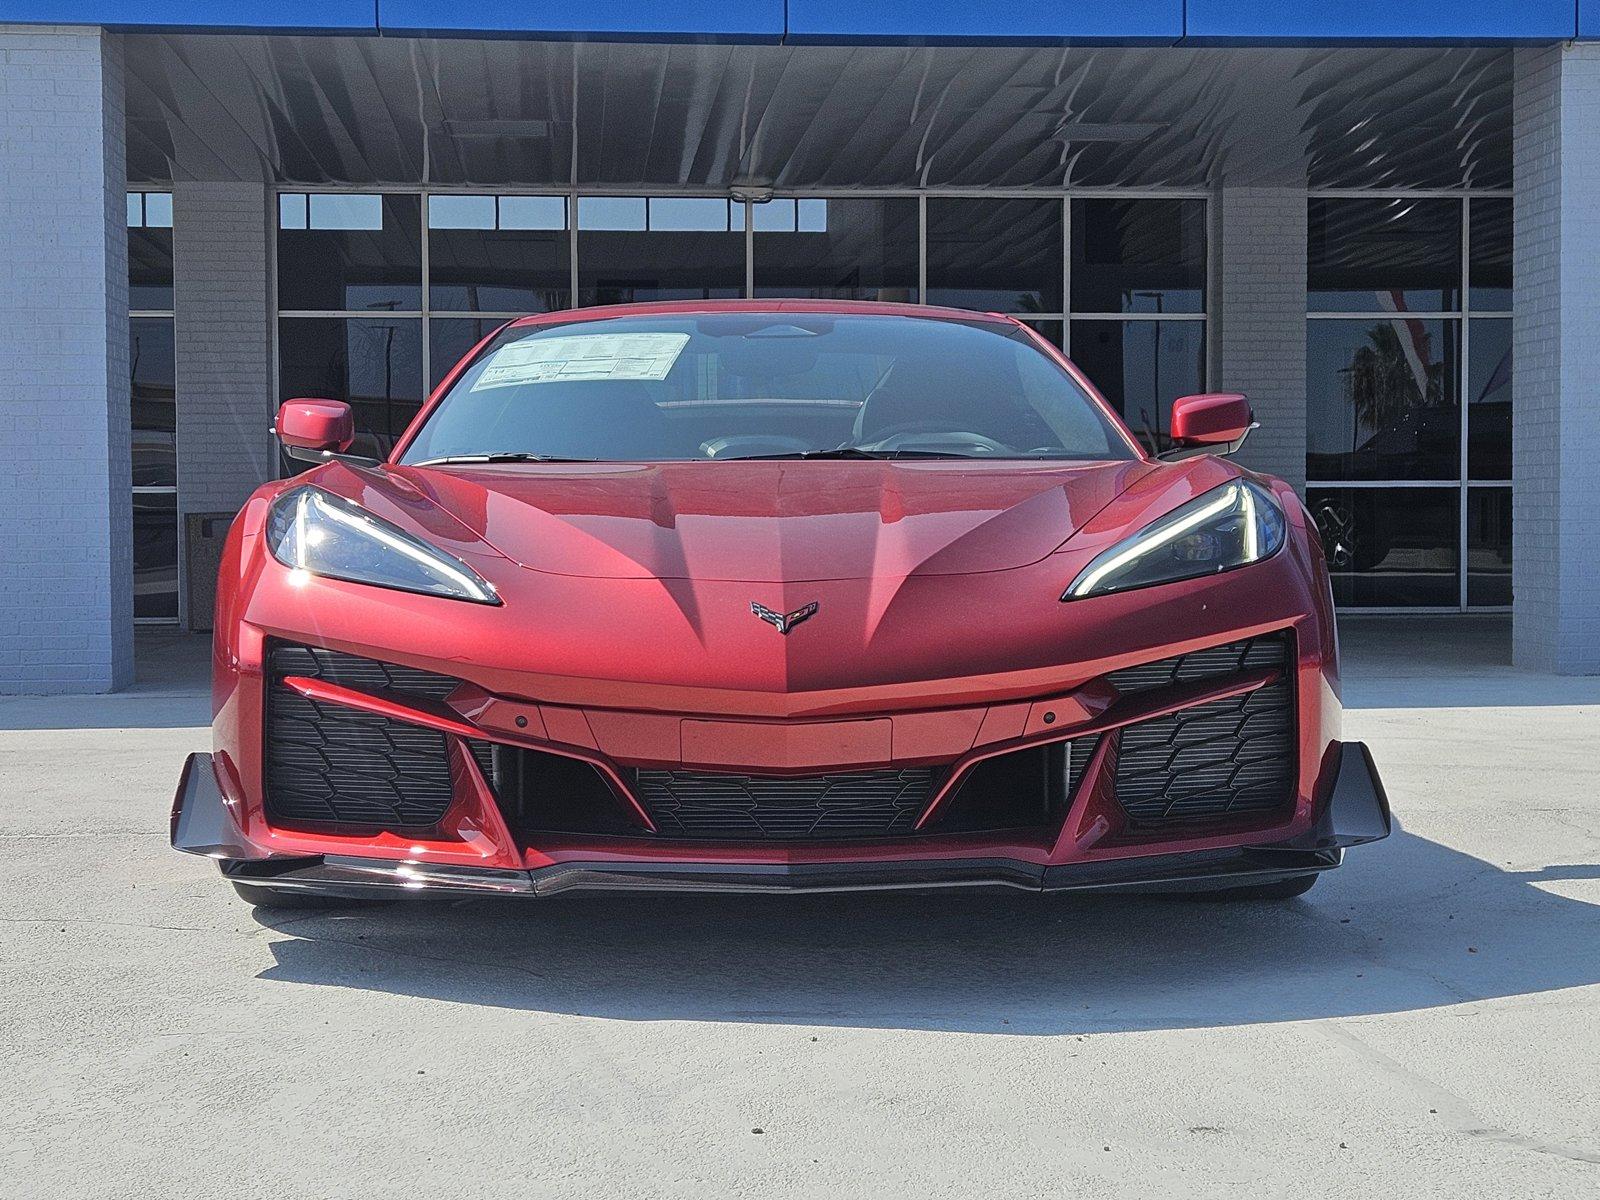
[765, 385]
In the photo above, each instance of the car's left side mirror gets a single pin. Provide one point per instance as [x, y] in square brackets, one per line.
[317, 431]
[1209, 423]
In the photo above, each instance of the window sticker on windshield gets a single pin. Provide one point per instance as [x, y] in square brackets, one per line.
[647, 356]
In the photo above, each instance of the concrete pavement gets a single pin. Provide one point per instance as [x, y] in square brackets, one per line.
[1426, 1022]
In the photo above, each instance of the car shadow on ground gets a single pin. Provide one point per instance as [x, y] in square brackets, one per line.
[1407, 924]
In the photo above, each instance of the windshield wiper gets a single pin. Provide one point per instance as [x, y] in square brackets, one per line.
[848, 452]
[507, 457]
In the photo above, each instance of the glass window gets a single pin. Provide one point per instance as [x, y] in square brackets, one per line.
[1489, 546]
[789, 216]
[1382, 399]
[995, 255]
[738, 385]
[631, 248]
[507, 254]
[1053, 332]
[155, 556]
[150, 251]
[1490, 260]
[1386, 255]
[374, 363]
[152, 380]
[1390, 547]
[1141, 367]
[1489, 428]
[158, 210]
[839, 249]
[449, 340]
[1144, 256]
[338, 252]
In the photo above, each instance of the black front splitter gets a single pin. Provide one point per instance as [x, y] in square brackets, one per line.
[1356, 811]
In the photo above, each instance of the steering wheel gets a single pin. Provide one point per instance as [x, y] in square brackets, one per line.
[900, 437]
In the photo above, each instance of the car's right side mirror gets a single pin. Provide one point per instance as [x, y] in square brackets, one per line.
[1209, 423]
[317, 430]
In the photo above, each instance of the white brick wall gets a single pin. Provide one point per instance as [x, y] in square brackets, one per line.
[1556, 453]
[223, 305]
[66, 604]
[1259, 321]
[224, 343]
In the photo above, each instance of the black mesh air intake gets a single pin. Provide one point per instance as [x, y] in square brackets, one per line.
[729, 807]
[1226, 758]
[329, 764]
[352, 671]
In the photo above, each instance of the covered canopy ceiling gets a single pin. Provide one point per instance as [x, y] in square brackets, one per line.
[513, 113]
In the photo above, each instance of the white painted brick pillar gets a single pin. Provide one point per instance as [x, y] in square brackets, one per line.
[1259, 319]
[1556, 356]
[222, 250]
[66, 559]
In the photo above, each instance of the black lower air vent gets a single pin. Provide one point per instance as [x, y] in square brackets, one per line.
[729, 807]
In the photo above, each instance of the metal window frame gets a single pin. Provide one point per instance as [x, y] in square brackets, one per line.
[168, 314]
[1464, 314]
[572, 193]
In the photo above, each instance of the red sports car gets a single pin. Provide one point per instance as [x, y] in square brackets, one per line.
[773, 596]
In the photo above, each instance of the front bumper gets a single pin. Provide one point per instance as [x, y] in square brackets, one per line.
[1356, 811]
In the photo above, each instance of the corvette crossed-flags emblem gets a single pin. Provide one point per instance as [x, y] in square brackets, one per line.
[783, 622]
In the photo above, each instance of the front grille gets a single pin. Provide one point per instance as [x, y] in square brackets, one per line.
[1226, 758]
[329, 764]
[730, 807]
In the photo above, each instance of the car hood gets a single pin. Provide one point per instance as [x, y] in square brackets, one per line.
[784, 521]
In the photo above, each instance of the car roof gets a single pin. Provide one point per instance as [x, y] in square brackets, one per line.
[869, 308]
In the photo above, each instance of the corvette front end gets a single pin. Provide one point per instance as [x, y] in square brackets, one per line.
[778, 675]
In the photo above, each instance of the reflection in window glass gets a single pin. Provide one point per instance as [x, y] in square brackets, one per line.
[1144, 256]
[1141, 367]
[1489, 546]
[1390, 255]
[1051, 331]
[336, 211]
[153, 391]
[507, 254]
[683, 213]
[1489, 428]
[1389, 547]
[633, 248]
[449, 340]
[790, 216]
[1490, 261]
[375, 364]
[462, 212]
[158, 210]
[618, 213]
[356, 253]
[995, 255]
[841, 249]
[1382, 399]
[149, 269]
[155, 556]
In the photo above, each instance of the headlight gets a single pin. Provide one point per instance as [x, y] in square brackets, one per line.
[316, 532]
[1230, 526]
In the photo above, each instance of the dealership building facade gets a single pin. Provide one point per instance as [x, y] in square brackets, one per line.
[1380, 222]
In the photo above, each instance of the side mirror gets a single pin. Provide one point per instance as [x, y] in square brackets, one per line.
[317, 430]
[1212, 421]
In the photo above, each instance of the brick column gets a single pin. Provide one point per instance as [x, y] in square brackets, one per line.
[1556, 356]
[1259, 319]
[222, 283]
[66, 560]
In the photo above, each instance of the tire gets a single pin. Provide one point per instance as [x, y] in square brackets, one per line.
[1278, 889]
[267, 897]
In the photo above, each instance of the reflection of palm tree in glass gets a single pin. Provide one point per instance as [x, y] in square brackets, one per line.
[1382, 383]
